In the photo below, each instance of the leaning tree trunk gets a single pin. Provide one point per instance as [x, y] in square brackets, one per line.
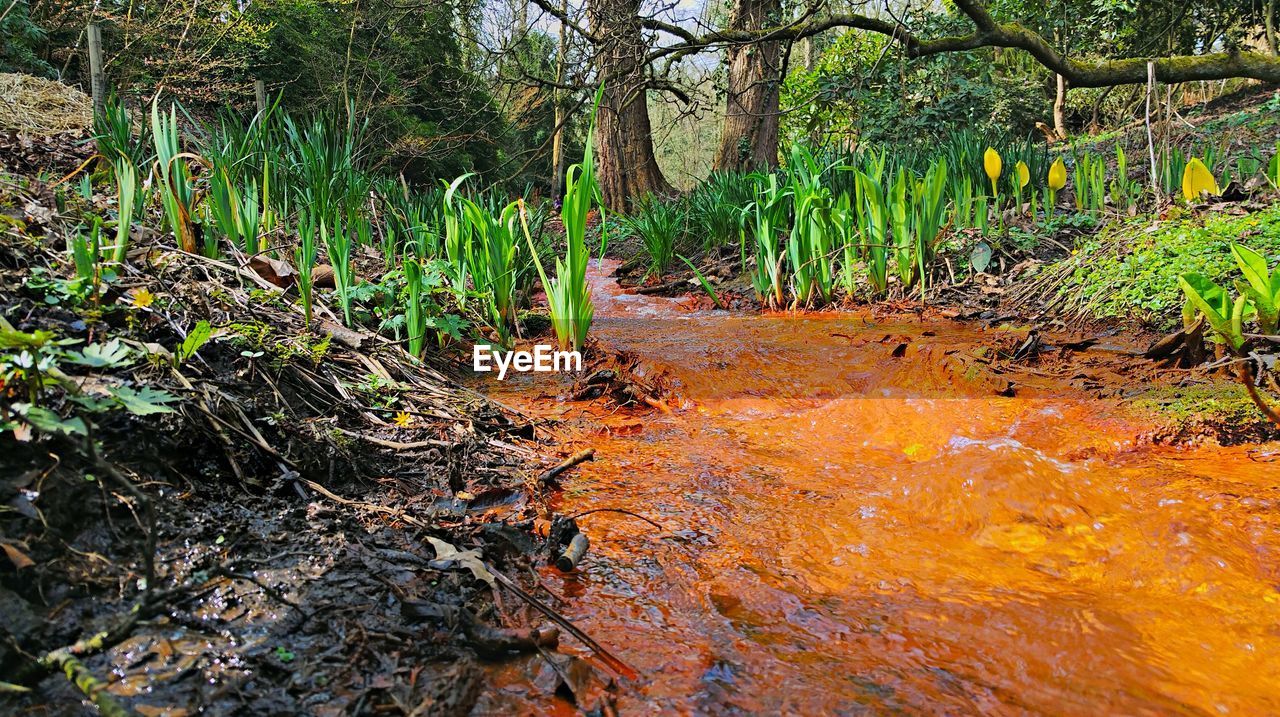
[626, 166]
[749, 138]
[1060, 108]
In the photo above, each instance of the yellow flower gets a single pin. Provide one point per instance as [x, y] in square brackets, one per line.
[991, 162]
[403, 419]
[1057, 175]
[1197, 179]
[143, 298]
[1024, 174]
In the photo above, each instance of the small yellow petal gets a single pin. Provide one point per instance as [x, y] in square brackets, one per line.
[1024, 174]
[143, 298]
[403, 419]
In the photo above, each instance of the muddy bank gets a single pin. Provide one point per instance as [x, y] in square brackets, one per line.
[225, 511]
[903, 513]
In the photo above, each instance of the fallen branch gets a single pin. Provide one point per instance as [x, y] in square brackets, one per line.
[80, 676]
[571, 461]
[575, 516]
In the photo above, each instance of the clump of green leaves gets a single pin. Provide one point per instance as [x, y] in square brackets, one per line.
[659, 224]
[34, 366]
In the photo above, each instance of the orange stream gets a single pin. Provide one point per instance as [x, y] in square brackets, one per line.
[850, 532]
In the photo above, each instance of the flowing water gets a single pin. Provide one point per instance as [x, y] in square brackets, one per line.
[854, 521]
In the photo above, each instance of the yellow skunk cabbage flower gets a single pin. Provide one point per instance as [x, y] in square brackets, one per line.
[991, 162]
[1196, 179]
[1057, 175]
[1024, 174]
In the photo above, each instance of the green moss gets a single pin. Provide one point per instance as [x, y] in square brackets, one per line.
[1131, 270]
[1221, 410]
[251, 336]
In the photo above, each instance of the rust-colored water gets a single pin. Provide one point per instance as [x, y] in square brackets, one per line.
[851, 532]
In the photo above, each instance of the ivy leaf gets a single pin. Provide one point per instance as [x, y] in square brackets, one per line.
[42, 419]
[109, 355]
[144, 401]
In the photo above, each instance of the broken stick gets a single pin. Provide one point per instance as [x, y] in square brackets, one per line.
[573, 554]
[571, 461]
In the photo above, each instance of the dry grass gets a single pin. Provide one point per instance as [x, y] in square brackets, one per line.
[38, 106]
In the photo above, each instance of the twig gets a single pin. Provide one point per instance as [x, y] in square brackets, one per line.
[1246, 377]
[612, 662]
[571, 461]
[575, 516]
[396, 445]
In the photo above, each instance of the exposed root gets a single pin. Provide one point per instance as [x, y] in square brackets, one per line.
[1246, 377]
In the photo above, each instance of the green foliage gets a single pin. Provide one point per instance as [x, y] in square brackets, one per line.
[568, 295]
[114, 133]
[1134, 270]
[128, 204]
[1261, 287]
[196, 338]
[702, 280]
[492, 254]
[1225, 317]
[23, 40]
[765, 218]
[1124, 191]
[1090, 182]
[713, 207]
[304, 258]
[863, 82]
[32, 368]
[173, 177]
[659, 224]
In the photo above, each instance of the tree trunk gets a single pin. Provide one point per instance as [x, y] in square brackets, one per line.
[749, 138]
[1060, 108]
[1269, 20]
[557, 101]
[626, 166]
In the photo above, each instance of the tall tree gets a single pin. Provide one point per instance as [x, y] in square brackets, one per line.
[626, 165]
[749, 137]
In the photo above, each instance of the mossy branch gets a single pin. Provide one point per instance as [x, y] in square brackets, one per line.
[990, 33]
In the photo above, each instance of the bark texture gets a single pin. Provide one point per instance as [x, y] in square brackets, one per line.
[1060, 108]
[626, 165]
[749, 136]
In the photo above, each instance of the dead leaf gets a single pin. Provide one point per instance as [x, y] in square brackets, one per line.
[322, 276]
[277, 271]
[541, 527]
[469, 559]
[17, 557]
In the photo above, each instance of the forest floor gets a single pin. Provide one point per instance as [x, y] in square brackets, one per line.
[292, 533]
[255, 517]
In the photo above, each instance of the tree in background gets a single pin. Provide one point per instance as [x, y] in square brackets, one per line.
[749, 138]
[21, 40]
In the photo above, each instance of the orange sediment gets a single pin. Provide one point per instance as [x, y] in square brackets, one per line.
[846, 530]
